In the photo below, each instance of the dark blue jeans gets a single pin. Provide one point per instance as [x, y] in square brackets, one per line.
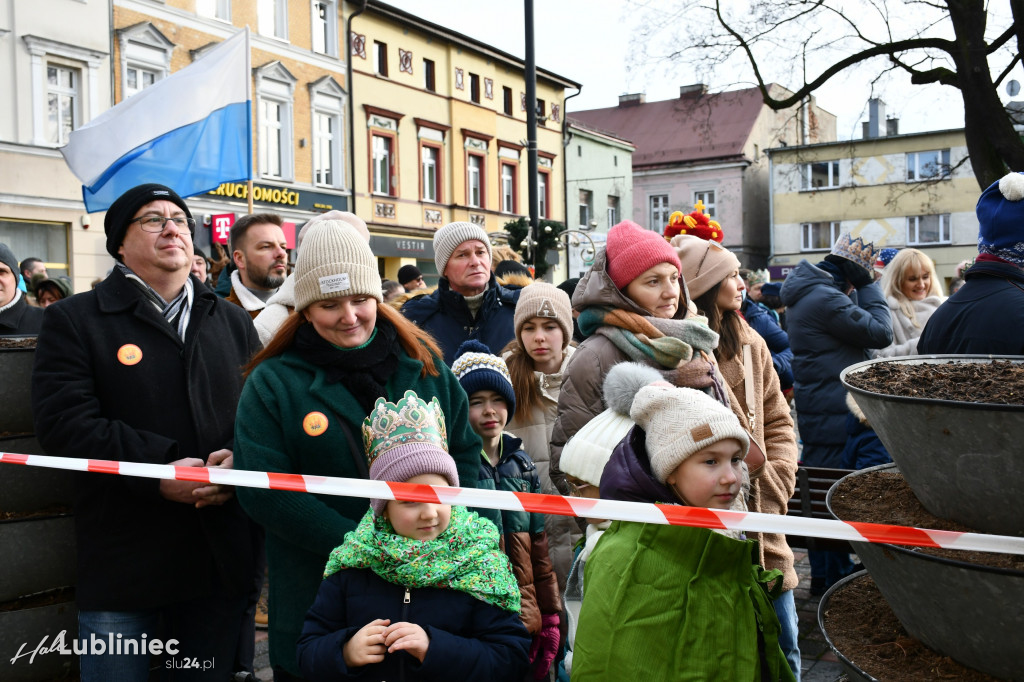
[205, 633]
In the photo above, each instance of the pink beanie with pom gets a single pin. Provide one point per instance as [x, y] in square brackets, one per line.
[631, 250]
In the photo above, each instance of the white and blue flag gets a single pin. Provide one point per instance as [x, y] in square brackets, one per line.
[190, 131]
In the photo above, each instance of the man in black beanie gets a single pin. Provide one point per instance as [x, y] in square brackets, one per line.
[17, 317]
[410, 277]
[146, 368]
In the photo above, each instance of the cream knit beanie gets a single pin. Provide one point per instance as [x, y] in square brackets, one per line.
[448, 238]
[335, 260]
[541, 299]
[679, 422]
[704, 263]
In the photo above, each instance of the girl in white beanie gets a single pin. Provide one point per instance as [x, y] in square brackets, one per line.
[536, 358]
[674, 602]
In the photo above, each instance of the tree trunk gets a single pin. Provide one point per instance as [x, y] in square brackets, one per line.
[994, 146]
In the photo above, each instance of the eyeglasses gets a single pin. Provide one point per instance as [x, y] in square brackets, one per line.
[155, 223]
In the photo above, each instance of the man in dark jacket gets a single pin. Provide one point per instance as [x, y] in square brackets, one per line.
[17, 317]
[986, 315]
[468, 303]
[147, 368]
[829, 331]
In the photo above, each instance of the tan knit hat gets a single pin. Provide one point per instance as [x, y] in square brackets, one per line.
[335, 260]
[679, 422]
[448, 238]
[541, 299]
[704, 263]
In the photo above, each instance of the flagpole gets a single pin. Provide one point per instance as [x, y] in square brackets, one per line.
[248, 90]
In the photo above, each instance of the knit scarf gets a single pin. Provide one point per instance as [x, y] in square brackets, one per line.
[8, 306]
[649, 339]
[177, 312]
[364, 371]
[465, 557]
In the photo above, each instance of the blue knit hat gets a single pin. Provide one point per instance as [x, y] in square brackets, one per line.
[478, 370]
[1000, 213]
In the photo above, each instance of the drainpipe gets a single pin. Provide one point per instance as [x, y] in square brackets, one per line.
[351, 107]
[771, 209]
[566, 138]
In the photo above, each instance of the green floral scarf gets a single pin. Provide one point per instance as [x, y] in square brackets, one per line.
[464, 557]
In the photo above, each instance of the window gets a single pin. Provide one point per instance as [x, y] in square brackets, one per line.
[215, 9]
[707, 200]
[275, 94]
[613, 210]
[542, 194]
[430, 170]
[62, 116]
[658, 204]
[819, 236]
[138, 78]
[823, 175]
[927, 165]
[541, 111]
[429, 79]
[928, 229]
[328, 101]
[506, 97]
[475, 180]
[508, 188]
[325, 27]
[48, 241]
[474, 87]
[273, 18]
[145, 57]
[383, 168]
[380, 58]
[586, 208]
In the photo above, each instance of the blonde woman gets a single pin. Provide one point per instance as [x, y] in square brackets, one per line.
[913, 292]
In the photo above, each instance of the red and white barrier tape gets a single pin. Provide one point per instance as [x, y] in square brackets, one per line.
[666, 514]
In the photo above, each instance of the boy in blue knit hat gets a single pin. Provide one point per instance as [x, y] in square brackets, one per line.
[504, 465]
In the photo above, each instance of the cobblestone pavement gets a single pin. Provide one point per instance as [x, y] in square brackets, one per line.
[819, 662]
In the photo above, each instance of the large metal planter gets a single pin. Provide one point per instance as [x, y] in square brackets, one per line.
[16, 389]
[850, 668]
[28, 627]
[29, 489]
[963, 460]
[968, 612]
[38, 555]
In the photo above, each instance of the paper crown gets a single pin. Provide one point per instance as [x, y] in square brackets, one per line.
[758, 277]
[856, 250]
[410, 420]
[697, 224]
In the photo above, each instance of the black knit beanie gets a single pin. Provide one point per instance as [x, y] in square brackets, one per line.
[115, 224]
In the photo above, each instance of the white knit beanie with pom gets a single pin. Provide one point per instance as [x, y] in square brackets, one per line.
[588, 451]
[335, 260]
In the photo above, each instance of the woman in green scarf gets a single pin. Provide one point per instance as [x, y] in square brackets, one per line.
[419, 591]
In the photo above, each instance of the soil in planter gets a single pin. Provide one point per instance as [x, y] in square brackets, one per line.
[55, 510]
[885, 497]
[18, 342]
[862, 626]
[999, 382]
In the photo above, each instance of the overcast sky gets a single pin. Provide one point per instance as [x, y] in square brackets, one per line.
[587, 41]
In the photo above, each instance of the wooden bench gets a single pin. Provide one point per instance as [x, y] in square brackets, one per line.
[812, 486]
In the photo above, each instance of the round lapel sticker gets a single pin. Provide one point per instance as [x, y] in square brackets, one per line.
[314, 423]
[129, 354]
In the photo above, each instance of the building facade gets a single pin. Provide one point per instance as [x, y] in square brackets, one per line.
[56, 76]
[710, 147]
[899, 190]
[599, 189]
[439, 135]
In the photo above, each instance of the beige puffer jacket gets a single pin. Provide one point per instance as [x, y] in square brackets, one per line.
[772, 485]
[582, 395]
[535, 432]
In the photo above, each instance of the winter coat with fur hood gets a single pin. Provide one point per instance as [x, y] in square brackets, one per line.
[905, 332]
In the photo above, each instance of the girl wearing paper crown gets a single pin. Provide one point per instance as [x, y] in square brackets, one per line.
[633, 306]
[752, 375]
[304, 401]
[678, 603]
[419, 590]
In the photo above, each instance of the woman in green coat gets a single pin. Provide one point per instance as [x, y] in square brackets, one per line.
[304, 400]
